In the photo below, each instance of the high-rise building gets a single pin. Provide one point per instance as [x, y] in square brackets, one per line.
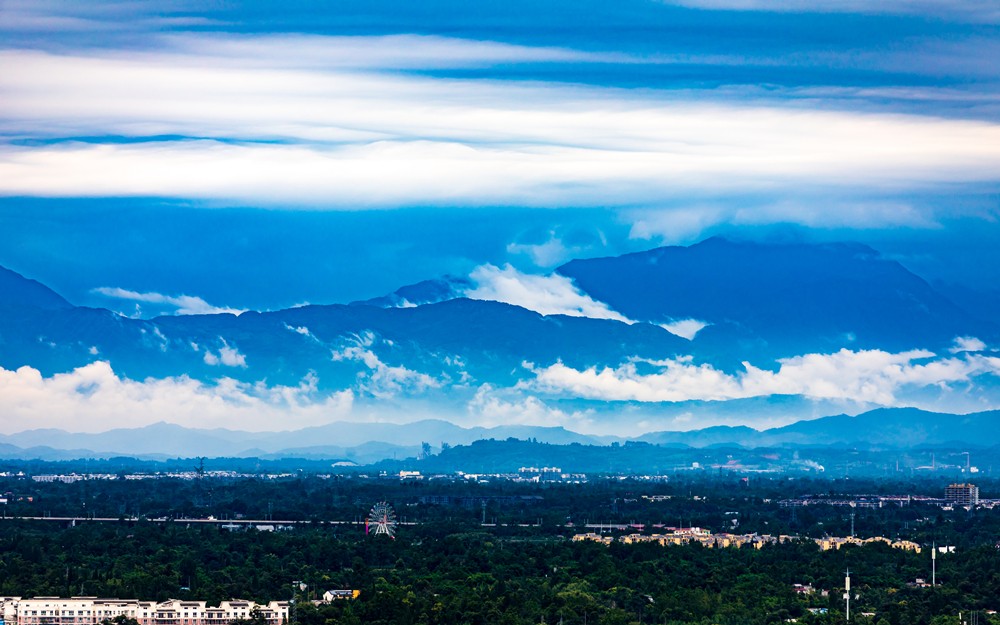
[962, 494]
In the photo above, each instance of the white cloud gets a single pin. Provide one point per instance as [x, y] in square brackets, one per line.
[869, 375]
[684, 328]
[824, 209]
[548, 254]
[547, 295]
[492, 407]
[380, 52]
[973, 10]
[185, 304]
[872, 376]
[677, 224]
[342, 133]
[94, 399]
[301, 330]
[228, 356]
[967, 344]
[381, 380]
[109, 18]
[676, 380]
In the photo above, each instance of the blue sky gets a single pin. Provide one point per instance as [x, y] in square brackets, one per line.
[175, 156]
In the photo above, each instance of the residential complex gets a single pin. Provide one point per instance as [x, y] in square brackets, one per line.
[93, 611]
[682, 536]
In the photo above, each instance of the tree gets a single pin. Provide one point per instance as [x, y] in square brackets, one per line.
[121, 619]
[256, 618]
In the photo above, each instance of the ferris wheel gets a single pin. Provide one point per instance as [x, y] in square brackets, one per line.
[381, 520]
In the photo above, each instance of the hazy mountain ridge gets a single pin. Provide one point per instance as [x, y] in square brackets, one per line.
[361, 443]
[890, 428]
[334, 440]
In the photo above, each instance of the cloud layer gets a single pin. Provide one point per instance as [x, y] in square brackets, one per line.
[330, 127]
[184, 304]
[94, 399]
[869, 376]
[545, 294]
[379, 379]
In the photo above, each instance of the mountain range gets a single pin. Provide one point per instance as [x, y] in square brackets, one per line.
[366, 443]
[437, 350]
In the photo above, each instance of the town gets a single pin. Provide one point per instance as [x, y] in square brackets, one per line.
[326, 548]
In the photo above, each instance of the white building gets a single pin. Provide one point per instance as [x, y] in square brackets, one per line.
[93, 611]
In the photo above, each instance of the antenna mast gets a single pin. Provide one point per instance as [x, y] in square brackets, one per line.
[847, 595]
[933, 564]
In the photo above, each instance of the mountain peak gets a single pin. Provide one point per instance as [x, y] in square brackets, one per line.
[425, 292]
[810, 296]
[18, 291]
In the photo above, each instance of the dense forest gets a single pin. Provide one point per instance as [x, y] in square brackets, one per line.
[448, 567]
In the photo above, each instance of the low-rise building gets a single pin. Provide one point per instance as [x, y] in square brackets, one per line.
[94, 610]
[597, 538]
[688, 535]
[339, 594]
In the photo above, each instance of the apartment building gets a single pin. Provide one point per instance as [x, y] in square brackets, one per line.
[962, 495]
[94, 610]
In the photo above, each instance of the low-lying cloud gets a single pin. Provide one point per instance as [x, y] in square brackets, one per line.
[227, 355]
[684, 328]
[491, 407]
[870, 376]
[182, 304]
[381, 380]
[545, 294]
[94, 398]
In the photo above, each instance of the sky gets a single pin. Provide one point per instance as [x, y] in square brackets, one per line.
[175, 156]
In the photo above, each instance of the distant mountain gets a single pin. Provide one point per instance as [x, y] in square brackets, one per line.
[788, 298]
[426, 292]
[366, 443]
[487, 340]
[706, 437]
[761, 302]
[18, 291]
[450, 356]
[360, 442]
[12, 452]
[983, 303]
[892, 428]
[899, 428]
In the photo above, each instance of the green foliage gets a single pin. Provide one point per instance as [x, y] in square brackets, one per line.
[449, 569]
[121, 619]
